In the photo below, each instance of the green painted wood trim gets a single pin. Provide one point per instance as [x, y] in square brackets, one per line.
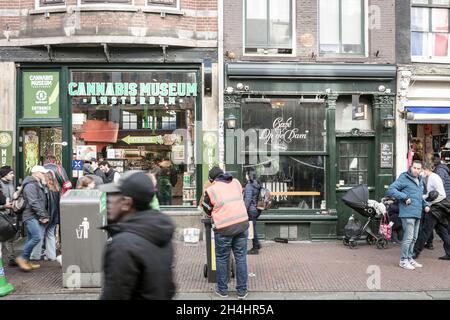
[330, 175]
[383, 106]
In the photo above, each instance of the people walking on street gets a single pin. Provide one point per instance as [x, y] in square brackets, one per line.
[138, 259]
[408, 190]
[34, 214]
[437, 218]
[251, 194]
[59, 172]
[49, 230]
[224, 201]
[111, 175]
[7, 189]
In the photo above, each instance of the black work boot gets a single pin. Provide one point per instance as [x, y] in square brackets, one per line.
[253, 251]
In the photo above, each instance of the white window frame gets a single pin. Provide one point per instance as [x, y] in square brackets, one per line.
[37, 5]
[365, 51]
[103, 4]
[294, 25]
[149, 6]
[430, 44]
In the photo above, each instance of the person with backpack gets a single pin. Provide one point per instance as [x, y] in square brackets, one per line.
[251, 194]
[59, 172]
[7, 189]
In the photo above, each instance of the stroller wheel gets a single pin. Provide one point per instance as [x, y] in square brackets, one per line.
[345, 241]
[352, 244]
[382, 243]
[371, 240]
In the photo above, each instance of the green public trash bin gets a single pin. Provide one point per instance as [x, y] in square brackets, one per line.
[209, 269]
[83, 212]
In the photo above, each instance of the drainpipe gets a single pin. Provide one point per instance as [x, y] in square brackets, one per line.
[221, 77]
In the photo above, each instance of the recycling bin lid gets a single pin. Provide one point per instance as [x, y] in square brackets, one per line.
[83, 196]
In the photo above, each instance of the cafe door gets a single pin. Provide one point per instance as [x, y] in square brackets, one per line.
[35, 144]
[355, 165]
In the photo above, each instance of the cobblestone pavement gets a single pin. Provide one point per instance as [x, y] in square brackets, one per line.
[284, 271]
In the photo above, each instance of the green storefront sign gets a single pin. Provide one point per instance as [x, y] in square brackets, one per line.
[40, 94]
[6, 148]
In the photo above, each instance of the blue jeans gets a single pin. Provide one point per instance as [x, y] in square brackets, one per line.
[224, 244]
[50, 243]
[410, 234]
[34, 236]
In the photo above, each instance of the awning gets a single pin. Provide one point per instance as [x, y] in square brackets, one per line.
[428, 114]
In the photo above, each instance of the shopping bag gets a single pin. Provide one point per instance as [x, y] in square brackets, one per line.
[250, 231]
[385, 227]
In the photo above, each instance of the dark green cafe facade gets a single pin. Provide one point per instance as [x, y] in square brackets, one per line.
[330, 127]
[327, 127]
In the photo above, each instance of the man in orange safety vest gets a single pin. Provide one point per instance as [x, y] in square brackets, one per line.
[224, 202]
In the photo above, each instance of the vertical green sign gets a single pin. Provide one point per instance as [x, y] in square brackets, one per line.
[41, 94]
[210, 152]
[6, 148]
[103, 203]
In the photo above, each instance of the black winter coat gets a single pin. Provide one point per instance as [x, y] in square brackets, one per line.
[441, 211]
[138, 258]
[251, 194]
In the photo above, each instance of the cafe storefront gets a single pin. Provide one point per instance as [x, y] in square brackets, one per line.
[310, 132]
[136, 117]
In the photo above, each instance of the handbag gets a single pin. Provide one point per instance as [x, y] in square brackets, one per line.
[385, 227]
[8, 227]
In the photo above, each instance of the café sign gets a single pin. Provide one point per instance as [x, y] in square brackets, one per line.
[148, 93]
[282, 133]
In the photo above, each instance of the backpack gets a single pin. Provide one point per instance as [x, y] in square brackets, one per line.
[264, 199]
[19, 203]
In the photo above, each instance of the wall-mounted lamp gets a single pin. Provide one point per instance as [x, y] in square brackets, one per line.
[389, 122]
[231, 121]
[229, 90]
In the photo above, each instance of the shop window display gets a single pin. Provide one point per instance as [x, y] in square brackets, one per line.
[290, 127]
[138, 120]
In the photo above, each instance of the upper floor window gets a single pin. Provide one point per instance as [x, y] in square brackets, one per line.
[104, 1]
[43, 3]
[268, 26]
[342, 28]
[430, 30]
[173, 4]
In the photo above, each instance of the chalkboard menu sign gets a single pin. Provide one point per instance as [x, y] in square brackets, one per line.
[387, 155]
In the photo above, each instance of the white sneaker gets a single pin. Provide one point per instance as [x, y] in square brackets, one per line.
[405, 264]
[415, 264]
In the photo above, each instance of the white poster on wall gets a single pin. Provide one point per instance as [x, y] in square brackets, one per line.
[86, 153]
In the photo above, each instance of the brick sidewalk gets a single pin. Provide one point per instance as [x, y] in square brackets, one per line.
[279, 268]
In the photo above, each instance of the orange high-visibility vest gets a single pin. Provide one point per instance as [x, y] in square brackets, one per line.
[229, 207]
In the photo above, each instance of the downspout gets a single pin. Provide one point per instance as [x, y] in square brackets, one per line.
[221, 77]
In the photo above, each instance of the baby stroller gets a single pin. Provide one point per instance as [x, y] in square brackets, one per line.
[358, 199]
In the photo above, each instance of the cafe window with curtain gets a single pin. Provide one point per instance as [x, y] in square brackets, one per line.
[296, 131]
[137, 120]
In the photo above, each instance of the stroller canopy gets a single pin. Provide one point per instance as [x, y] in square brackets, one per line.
[356, 198]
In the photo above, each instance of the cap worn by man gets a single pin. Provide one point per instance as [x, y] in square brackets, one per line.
[4, 171]
[134, 184]
[40, 169]
[214, 173]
